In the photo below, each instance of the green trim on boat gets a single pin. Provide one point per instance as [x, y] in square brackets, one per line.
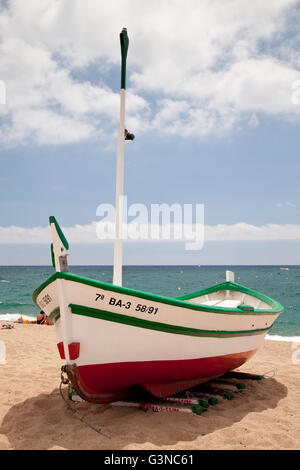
[124, 41]
[150, 325]
[52, 256]
[247, 308]
[237, 287]
[276, 307]
[54, 315]
[63, 239]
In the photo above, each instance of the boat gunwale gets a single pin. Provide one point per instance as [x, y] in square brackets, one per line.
[276, 307]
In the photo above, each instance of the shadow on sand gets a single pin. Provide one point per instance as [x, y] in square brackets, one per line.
[45, 422]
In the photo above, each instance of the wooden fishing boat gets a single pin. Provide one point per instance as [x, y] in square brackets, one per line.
[114, 338]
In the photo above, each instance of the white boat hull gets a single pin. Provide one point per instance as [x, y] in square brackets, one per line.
[120, 338]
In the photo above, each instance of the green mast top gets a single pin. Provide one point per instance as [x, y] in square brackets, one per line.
[124, 48]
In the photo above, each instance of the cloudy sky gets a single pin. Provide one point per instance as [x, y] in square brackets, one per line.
[213, 98]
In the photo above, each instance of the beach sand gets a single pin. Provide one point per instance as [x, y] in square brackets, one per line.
[33, 414]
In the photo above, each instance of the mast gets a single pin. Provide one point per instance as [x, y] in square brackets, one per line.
[122, 135]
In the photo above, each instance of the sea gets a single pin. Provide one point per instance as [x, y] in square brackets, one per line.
[281, 283]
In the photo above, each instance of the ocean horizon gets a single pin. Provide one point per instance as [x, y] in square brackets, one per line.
[17, 284]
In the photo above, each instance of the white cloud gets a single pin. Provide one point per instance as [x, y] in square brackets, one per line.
[285, 204]
[290, 204]
[203, 69]
[244, 231]
[88, 233]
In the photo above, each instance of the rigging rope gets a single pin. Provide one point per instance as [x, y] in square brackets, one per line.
[65, 381]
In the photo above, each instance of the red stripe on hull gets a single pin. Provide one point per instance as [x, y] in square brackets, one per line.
[103, 383]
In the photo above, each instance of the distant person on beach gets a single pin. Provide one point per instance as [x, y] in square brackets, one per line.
[41, 319]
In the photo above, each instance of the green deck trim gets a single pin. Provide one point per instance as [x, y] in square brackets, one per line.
[237, 287]
[52, 220]
[177, 302]
[153, 325]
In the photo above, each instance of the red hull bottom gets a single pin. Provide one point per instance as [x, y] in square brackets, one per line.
[104, 383]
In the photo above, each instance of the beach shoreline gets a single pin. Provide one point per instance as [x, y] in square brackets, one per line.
[33, 414]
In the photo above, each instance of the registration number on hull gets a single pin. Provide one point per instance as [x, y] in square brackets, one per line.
[128, 305]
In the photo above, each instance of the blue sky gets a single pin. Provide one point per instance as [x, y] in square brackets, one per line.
[209, 99]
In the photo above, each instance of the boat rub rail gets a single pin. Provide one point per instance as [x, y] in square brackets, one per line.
[165, 327]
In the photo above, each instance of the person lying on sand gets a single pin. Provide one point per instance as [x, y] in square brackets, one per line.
[41, 319]
[6, 326]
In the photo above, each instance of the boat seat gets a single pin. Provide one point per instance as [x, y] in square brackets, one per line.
[211, 302]
[227, 303]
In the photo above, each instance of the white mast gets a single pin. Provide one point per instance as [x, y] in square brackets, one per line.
[122, 135]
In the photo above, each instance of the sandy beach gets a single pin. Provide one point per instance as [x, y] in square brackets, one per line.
[33, 414]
